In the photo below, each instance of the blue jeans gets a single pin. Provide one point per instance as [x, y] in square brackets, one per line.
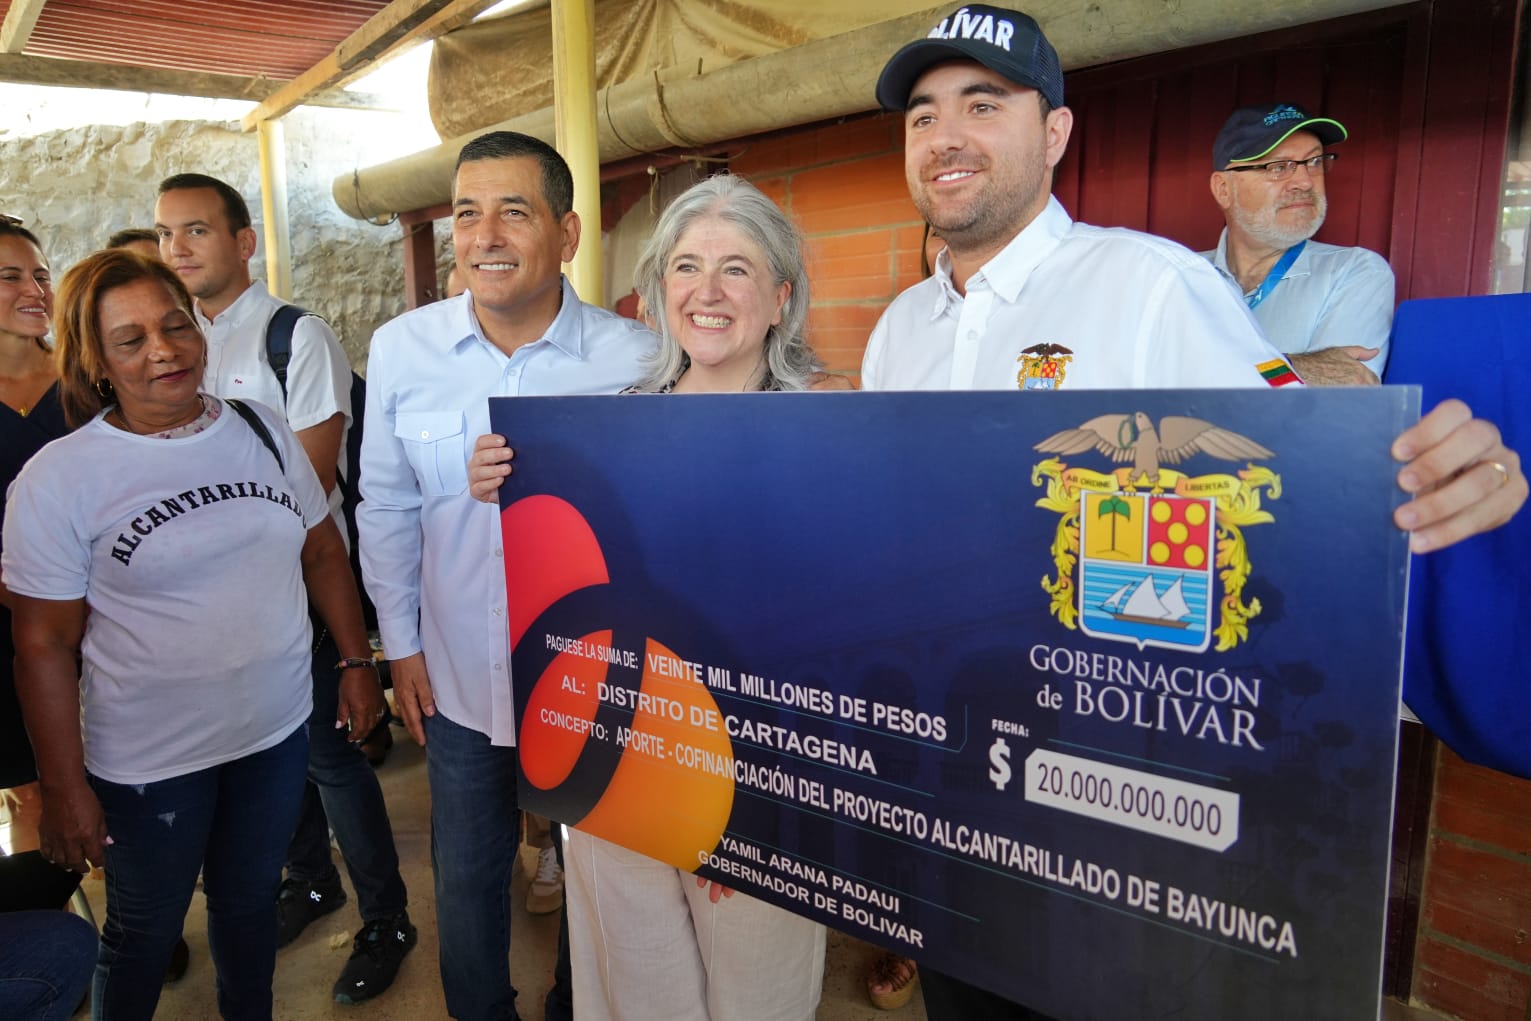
[475, 830]
[46, 959]
[343, 792]
[230, 821]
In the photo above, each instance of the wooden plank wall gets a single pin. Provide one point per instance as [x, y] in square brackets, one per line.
[1142, 150]
[1425, 90]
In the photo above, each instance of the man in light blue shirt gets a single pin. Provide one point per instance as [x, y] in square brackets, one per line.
[431, 554]
[1329, 308]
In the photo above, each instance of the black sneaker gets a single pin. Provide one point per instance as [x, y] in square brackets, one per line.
[299, 902]
[375, 957]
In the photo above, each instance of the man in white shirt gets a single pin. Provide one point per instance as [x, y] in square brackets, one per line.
[1025, 298]
[205, 235]
[1329, 308]
[431, 554]
[1017, 300]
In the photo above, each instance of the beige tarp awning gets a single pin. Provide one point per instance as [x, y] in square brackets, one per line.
[500, 68]
[757, 78]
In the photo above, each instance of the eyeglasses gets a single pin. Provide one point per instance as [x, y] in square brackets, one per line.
[1280, 170]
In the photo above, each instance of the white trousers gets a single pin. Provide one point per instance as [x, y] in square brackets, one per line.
[645, 942]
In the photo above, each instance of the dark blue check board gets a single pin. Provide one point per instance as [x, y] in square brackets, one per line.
[1087, 698]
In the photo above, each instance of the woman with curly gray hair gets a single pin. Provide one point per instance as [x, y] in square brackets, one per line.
[725, 287]
[724, 281]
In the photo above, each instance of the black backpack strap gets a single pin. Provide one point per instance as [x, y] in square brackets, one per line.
[279, 341]
[248, 414]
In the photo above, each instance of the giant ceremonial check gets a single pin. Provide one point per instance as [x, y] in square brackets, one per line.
[1089, 698]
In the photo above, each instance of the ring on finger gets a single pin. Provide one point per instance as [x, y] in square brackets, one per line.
[1504, 473]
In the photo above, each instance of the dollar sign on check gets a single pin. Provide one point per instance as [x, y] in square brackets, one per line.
[999, 755]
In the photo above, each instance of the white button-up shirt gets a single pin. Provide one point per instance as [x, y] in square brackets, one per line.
[1069, 306]
[431, 555]
[1330, 297]
[318, 374]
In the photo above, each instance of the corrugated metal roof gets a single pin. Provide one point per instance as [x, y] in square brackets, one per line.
[274, 39]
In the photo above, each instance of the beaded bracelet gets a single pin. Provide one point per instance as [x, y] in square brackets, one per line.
[352, 662]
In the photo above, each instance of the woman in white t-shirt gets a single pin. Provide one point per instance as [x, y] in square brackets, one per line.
[160, 560]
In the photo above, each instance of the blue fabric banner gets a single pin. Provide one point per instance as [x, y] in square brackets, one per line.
[1468, 662]
[1088, 699]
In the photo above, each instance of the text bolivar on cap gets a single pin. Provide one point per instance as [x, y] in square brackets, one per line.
[1009, 43]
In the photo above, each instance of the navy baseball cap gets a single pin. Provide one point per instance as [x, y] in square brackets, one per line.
[1253, 131]
[1009, 43]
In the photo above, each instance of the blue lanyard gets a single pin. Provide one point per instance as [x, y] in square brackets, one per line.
[1274, 277]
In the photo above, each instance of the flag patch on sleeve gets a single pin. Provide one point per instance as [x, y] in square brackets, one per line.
[1277, 372]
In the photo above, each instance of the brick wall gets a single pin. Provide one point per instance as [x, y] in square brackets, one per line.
[1473, 958]
[843, 184]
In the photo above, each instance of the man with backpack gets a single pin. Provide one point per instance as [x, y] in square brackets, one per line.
[263, 349]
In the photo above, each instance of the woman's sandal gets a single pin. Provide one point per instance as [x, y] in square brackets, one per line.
[891, 982]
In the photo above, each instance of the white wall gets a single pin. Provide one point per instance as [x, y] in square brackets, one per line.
[75, 187]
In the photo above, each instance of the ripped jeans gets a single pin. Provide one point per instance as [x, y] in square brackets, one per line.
[232, 822]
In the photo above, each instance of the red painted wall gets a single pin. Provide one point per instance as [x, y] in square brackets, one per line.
[1141, 155]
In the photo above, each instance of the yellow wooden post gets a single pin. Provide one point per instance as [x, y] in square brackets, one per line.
[574, 108]
[273, 204]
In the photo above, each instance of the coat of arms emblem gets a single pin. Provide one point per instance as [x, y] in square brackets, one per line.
[1043, 367]
[1148, 554]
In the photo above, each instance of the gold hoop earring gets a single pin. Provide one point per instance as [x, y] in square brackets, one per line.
[104, 389]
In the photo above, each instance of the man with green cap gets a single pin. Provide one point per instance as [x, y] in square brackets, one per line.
[1327, 307]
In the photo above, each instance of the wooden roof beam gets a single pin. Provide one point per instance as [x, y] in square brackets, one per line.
[80, 74]
[19, 22]
[401, 22]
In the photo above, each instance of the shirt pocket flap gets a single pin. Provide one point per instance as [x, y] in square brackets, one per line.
[436, 448]
[427, 426]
